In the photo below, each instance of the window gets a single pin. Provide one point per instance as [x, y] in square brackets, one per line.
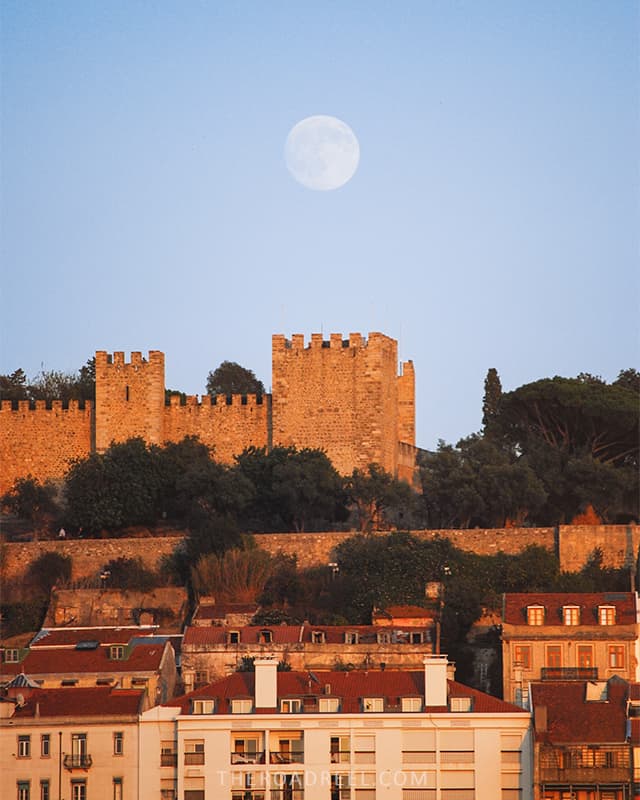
[616, 656]
[118, 743]
[340, 787]
[247, 750]
[69, 682]
[116, 652]
[201, 677]
[351, 637]
[522, 656]
[554, 655]
[241, 706]
[328, 705]
[606, 615]
[416, 638]
[340, 750]
[535, 615]
[234, 637]
[461, 704]
[317, 637]
[411, 703]
[168, 755]
[585, 656]
[202, 707]
[45, 745]
[11, 655]
[24, 746]
[374, 704]
[79, 752]
[384, 637]
[24, 790]
[194, 751]
[293, 706]
[265, 636]
[117, 789]
[78, 790]
[44, 790]
[570, 615]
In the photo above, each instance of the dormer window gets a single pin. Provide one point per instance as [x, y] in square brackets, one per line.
[351, 637]
[411, 704]
[318, 637]
[373, 704]
[11, 655]
[265, 636]
[416, 638]
[203, 707]
[606, 615]
[116, 652]
[384, 638]
[460, 704]
[329, 705]
[233, 637]
[535, 615]
[570, 615]
[243, 706]
[291, 706]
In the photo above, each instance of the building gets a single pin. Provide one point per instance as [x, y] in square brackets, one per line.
[361, 735]
[562, 636]
[584, 743]
[211, 652]
[123, 658]
[72, 743]
[343, 395]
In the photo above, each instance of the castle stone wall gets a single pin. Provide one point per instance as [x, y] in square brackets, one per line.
[42, 441]
[227, 427]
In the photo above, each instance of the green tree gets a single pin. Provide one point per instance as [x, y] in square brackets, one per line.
[14, 386]
[129, 573]
[231, 378]
[236, 575]
[377, 496]
[628, 379]
[114, 489]
[48, 570]
[492, 397]
[31, 500]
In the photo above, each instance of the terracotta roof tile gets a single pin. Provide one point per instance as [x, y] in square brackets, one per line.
[81, 702]
[515, 606]
[68, 637]
[293, 634]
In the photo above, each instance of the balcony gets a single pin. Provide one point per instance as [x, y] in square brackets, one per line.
[286, 757]
[238, 757]
[77, 761]
[192, 759]
[588, 764]
[168, 759]
[569, 674]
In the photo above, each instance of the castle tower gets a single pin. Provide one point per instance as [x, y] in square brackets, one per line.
[129, 398]
[343, 396]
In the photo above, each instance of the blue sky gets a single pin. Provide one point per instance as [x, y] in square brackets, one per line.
[492, 222]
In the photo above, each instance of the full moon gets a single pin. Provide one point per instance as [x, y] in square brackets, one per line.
[322, 153]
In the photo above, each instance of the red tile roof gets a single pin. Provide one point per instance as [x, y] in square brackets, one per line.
[515, 606]
[69, 637]
[40, 661]
[350, 687]
[81, 702]
[572, 719]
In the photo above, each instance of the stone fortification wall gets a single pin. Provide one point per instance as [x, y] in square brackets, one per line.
[88, 555]
[342, 395]
[227, 426]
[41, 441]
[572, 543]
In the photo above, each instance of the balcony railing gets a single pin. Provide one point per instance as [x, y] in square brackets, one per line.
[247, 758]
[585, 764]
[569, 673]
[77, 761]
[286, 757]
[193, 758]
[168, 759]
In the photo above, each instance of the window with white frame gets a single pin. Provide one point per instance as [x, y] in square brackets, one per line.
[243, 706]
[373, 704]
[118, 743]
[233, 637]
[351, 637]
[24, 746]
[329, 705]
[616, 656]
[194, 752]
[203, 707]
[78, 790]
[606, 615]
[318, 637]
[535, 615]
[24, 790]
[571, 615]
[460, 704]
[11, 655]
[411, 703]
[340, 749]
[45, 745]
[45, 793]
[117, 789]
[291, 706]
[116, 652]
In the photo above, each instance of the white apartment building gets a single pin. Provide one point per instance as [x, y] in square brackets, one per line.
[360, 735]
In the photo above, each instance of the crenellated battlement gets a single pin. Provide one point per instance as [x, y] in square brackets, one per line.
[344, 395]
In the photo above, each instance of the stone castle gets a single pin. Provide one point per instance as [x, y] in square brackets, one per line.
[344, 396]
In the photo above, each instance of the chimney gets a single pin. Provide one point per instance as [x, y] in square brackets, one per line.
[266, 682]
[435, 680]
